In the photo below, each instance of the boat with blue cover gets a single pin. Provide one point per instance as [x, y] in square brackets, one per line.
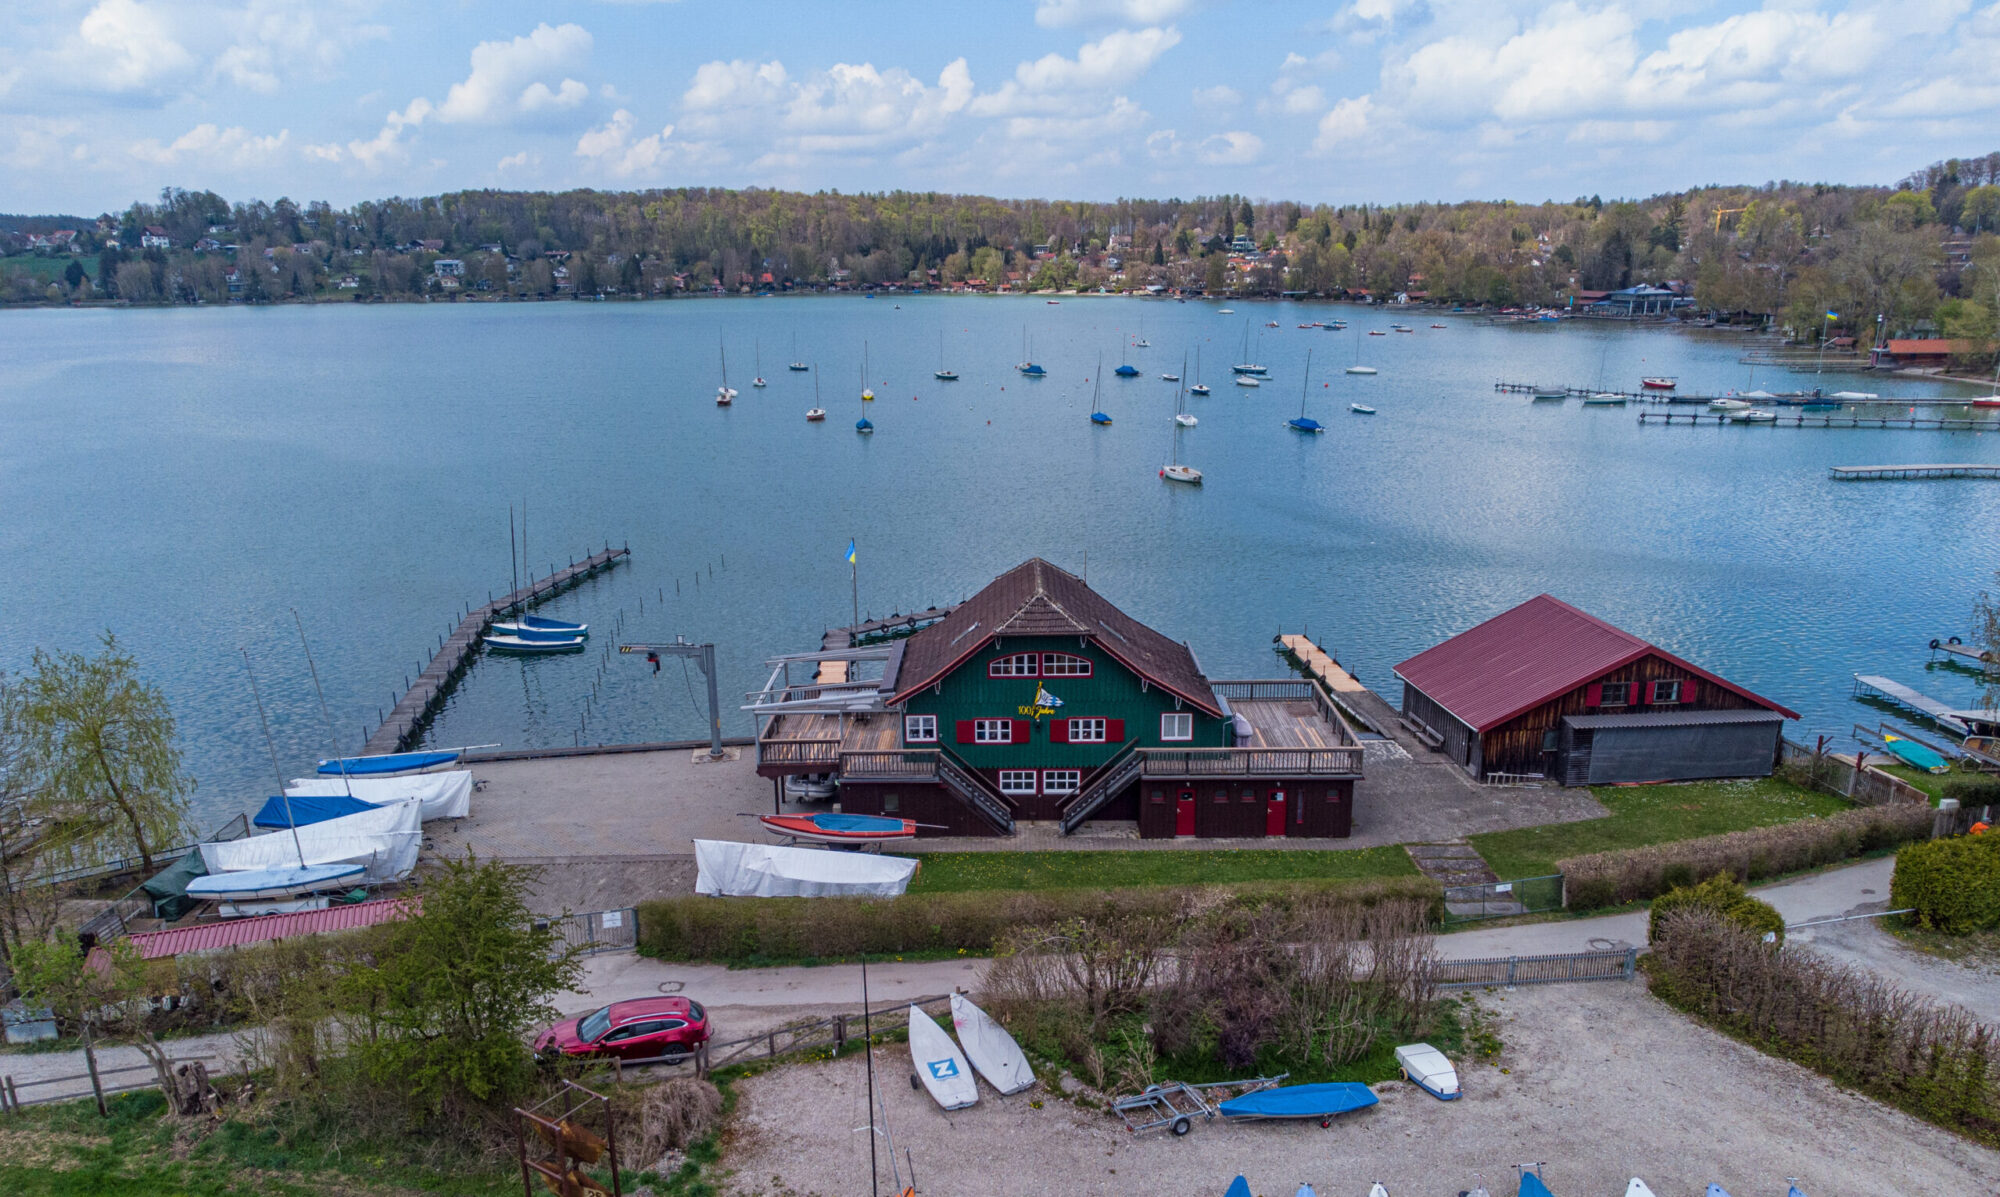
[521, 644]
[1322, 1102]
[394, 762]
[1237, 1188]
[522, 631]
[541, 623]
[1304, 423]
[299, 810]
[834, 827]
[287, 881]
[1532, 1186]
[1915, 755]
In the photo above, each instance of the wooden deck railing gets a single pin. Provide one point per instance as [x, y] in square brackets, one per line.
[1290, 690]
[1251, 762]
[798, 752]
[899, 763]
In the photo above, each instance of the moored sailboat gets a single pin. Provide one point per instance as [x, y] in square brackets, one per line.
[1304, 423]
[1176, 470]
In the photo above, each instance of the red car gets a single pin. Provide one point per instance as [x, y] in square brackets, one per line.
[668, 1028]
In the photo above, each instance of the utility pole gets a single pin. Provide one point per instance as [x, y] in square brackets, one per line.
[704, 656]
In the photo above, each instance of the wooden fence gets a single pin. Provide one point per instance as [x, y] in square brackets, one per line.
[1836, 773]
[831, 1033]
[12, 1102]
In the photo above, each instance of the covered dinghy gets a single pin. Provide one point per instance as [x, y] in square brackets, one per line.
[446, 795]
[729, 869]
[384, 839]
[284, 810]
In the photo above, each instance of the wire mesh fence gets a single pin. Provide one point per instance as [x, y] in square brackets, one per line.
[1618, 964]
[1499, 899]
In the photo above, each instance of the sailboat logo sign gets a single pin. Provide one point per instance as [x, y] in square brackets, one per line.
[1044, 704]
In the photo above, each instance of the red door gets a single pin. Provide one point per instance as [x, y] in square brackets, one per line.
[1184, 813]
[1274, 813]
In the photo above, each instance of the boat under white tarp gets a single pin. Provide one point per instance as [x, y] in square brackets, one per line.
[445, 795]
[726, 868]
[384, 841]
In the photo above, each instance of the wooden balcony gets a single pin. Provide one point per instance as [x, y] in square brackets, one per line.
[1250, 762]
[902, 764]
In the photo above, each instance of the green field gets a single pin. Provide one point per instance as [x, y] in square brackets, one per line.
[955, 872]
[1642, 815]
[47, 267]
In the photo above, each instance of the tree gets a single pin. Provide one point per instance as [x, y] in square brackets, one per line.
[99, 743]
[93, 997]
[457, 988]
[1986, 634]
[27, 912]
[1247, 217]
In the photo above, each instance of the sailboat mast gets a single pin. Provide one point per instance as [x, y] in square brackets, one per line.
[332, 741]
[868, 1050]
[284, 797]
[1304, 383]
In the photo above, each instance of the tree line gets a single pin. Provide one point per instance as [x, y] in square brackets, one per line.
[1922, 255]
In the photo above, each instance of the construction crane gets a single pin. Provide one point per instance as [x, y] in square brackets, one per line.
[1719, 213]
[703, 655]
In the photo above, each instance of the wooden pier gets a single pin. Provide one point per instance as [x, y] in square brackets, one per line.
[412, 713]
[833, 673]
[1883, 690]
[1917, 423]
[1874, 473]
[1954, 647]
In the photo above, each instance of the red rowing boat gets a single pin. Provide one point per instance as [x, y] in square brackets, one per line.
[837, 828]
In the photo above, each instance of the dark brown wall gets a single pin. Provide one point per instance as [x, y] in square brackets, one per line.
[1238, 809]
[1457, 736]
[925, 802]
[1516, 745]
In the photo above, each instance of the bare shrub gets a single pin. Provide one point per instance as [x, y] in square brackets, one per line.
[671, 1115]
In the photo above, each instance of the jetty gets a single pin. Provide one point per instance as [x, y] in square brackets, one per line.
[1872, 473]
[833, 670]
[1884, 690]
[1919, 423]
[1361, 705]
[406, 721]
[1954, 647]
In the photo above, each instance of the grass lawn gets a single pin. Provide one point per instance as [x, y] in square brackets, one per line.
[1643, 815]
[953, 872]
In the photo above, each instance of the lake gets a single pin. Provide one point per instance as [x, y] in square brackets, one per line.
[190, 477]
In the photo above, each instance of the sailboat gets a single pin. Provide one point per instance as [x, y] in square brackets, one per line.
[1175, 470]
[1125, 368]
[1142, 342]
[815, 413]
[1304, 424]
[796, 363]
[757, 362]
[1199, 387]
[724, 394]
[1246, 366]
[942, 374]
[1097, 380]
[1028, 366]
[1357, 367]
[867, 395]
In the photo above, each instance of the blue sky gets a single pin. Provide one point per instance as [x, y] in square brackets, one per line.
[106, 101]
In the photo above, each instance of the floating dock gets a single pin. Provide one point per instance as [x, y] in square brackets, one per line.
[1874, 473]
[1920, 423]
[412, 713]
[1953, 647]
[1872, 686]
[1362, 706]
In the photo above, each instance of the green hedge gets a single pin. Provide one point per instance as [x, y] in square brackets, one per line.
[1971, 789]
[1723, 897]
[749, 929]
[1952, 884]
[1638, 874]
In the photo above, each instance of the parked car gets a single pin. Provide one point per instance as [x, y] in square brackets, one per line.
[667, 1028]
[810, 787]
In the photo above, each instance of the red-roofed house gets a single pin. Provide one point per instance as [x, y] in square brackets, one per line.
[236, 933]
[1546, 690]
[1934, 352]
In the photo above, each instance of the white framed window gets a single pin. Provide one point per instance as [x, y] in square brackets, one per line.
[920, 729]
[1064, 665]
[1177, 725]
[1017, 781]
[1061, 781]
[1666, 691]
[1086, 731]
[992, 731]
[1616, 694]
[1017, 665]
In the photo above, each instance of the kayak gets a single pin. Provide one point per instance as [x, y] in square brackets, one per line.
[1320, 1102]
[837, 828]
[395, 762]
[1915, 755]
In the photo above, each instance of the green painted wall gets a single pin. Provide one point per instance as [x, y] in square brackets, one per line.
[1111, 692]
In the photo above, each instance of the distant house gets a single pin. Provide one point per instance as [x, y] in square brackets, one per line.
[431, 246]
[350, 282]
[1642, 300]
[208, 245]
[1931, 353]
[448, 267]
[155, 237]
[1546, 690]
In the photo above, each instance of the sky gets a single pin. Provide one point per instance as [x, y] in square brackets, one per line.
[106, 101]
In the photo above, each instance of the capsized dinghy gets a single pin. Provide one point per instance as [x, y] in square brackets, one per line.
[940, 1067]
[394, 762]
[1915, 755]
[1429, 1069]
[990, 1048]
[288, 881]
[1321, 1102]
[833, 827]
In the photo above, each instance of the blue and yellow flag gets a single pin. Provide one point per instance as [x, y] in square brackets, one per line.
[850, 552]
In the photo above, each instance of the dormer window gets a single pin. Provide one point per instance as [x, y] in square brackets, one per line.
[1064, 665]
[1016, 665]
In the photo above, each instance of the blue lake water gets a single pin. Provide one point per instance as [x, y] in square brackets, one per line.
[189, 477]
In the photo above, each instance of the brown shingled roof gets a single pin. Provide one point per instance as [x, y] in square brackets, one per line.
[1037, 599]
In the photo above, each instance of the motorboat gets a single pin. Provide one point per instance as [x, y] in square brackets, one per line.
[515, 644]
[810, 787]
[1318, 1103]
[1854, 396]
[1545, 396]
[1270, 324]
[834, 827]
[1361, 409]
[1604, 399]
[1225, 311]
[1361, 369]
[1755, 415]
[1437, 326]
[1181, 473]
[1170, 378]
[1245, 380]
[1200, 388]
[1185, 420]
[386, 764]
[1728, 404]
[1376, 332]
[285, 881]
[1659, 383]
[1430, 1070]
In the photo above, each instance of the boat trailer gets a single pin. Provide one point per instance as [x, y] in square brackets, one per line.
[1176, 1104]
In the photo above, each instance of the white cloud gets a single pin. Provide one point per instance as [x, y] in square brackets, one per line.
[1345, 122]
[1163, 145]
[848, 107]
[387, 143]
[276, 37]
[1055, 14]
[1219, 96]
[507, 77]
[614, 149]
[127, 46]
[1051, 83]
[726, 85]
[1231, 149]
[520, 161]
[1122, 117]
[208, 145]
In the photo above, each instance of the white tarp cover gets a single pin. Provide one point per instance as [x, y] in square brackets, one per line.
[445, 795]
[385, 839]
[730, 869]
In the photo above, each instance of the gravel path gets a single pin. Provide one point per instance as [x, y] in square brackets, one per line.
[1601, 1081]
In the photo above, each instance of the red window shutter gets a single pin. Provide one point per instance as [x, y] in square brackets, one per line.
[1058, 731]
[1022, 731]
[1687, 690]
[1652, 692]
[1114, 731]
[965, 731]
[1593, 695]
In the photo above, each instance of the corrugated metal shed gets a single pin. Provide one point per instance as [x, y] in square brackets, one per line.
[236, 933]
[1672, 718]
[1526, 656]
